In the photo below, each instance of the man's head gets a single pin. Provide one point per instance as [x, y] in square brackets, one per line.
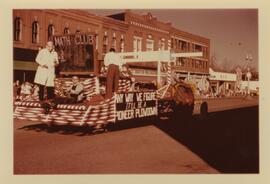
[112, 50]
[124, 67]
[75, 79]
[50, 46]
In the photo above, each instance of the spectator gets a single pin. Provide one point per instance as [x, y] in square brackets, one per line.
[16, 90]
[26, 90]
[125, 72]
[35, 90]
[74, 93]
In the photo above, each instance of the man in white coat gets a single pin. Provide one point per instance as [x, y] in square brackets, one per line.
[47, 59]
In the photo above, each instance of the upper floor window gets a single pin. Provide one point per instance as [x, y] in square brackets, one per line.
[105, 42]
[205, 52]
[161, 44]
[172, 43]
[96, 41]
[183, 45]
[114, 41]
[149, 45]
[78, 29]
[122, 43]
[198, 48]
[137, 44]
[50, 32]
[35, 32]
[66, 30]
[17, 29]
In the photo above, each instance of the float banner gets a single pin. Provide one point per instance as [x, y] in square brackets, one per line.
[73, 40]
[133, 105]
[75, 52]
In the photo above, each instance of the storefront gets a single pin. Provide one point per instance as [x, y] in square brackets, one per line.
[222, 83]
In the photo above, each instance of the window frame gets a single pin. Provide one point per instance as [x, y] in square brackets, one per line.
[137, 44]
[66, 30]
[35, 32]
[17, 32]
[152, 43]
[50, 32]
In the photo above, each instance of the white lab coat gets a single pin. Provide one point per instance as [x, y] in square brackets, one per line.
[46, 76]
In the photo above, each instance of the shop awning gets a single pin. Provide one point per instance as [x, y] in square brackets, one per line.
[24, 65]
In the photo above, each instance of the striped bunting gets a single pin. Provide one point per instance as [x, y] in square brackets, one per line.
[124, 85]
[33, 114]
[102, 113]
[169, 73]
[161, 91]
[74, 114]
[91, 86]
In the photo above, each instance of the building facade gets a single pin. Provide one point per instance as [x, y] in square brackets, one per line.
[126, 32]
[147, 33]
[32, 29]
[185, 42]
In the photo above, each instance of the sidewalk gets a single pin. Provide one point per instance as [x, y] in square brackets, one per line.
[221, 104]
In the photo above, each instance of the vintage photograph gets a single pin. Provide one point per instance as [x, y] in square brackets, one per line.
[135, 91]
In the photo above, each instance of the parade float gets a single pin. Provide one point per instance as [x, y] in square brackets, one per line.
[133, 101]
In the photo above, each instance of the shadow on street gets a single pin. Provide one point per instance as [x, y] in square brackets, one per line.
[227, 140]
[85, 130]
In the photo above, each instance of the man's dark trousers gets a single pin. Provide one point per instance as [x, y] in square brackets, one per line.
[112, 82]
[50, 92]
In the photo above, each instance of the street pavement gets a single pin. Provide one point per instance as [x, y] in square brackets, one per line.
[227, 142]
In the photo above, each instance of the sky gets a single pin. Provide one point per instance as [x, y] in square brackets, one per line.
[233, 33]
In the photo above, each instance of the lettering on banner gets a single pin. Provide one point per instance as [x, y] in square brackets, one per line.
[135, 105]
[76, 52]
[72, 40]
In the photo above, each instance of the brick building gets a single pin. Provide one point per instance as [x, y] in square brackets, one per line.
[33, 28]
[126, 32]
[185, 42]
[146, 33]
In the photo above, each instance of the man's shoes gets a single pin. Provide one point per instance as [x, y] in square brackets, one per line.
[46, 105]
[53, 105]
